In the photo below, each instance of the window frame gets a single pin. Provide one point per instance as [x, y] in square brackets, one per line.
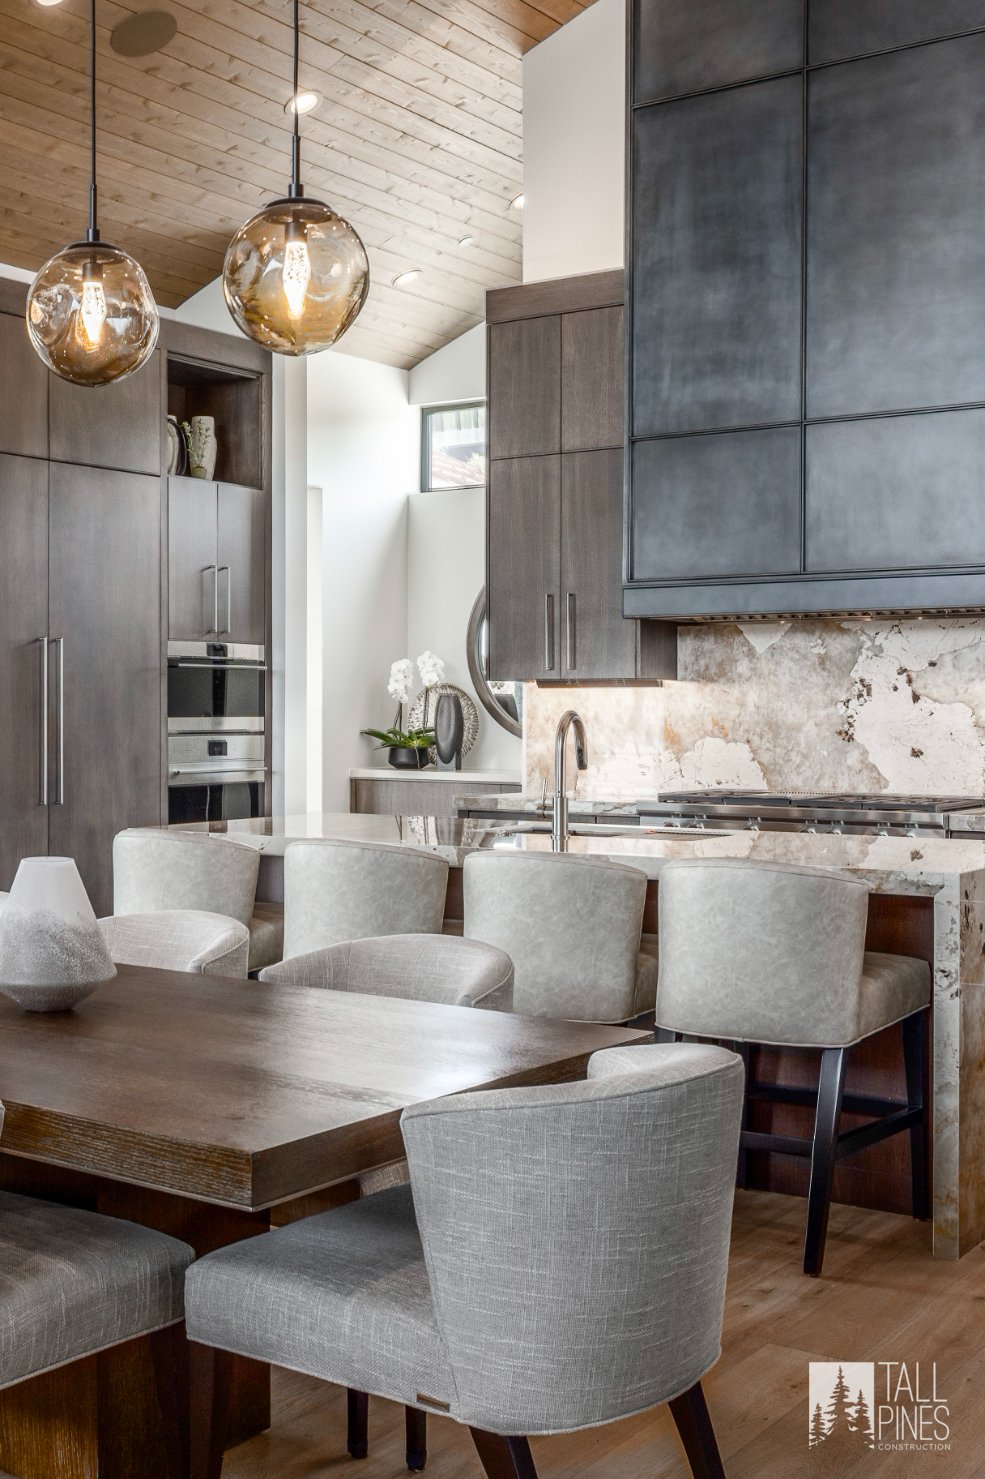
[426, 412]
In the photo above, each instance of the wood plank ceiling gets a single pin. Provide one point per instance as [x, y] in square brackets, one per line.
[417, 142]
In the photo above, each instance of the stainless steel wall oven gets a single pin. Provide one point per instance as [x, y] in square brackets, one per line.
[217, 749]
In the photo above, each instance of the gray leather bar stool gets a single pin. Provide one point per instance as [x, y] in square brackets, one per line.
[572, 927]
[773, 954]
[336, 891]
[557, 1263]
[157, 870]
[74, 1283]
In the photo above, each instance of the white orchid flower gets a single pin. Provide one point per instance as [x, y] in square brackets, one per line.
[401, 678]
[431, 669]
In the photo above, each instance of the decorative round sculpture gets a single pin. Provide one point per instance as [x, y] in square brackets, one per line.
[91, 314]
[52, 951]
[296, 276]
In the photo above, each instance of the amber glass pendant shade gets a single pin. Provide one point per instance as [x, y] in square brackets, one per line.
[296, 276]
[91, 314]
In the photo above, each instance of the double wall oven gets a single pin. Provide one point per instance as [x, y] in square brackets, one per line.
[217, 750]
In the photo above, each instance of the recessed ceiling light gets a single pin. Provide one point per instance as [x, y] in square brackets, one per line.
[144, 33]
[306, 102]
[518, 202]
[47, 2]
[466, 241]
[403, 279]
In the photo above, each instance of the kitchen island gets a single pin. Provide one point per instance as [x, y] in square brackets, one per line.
[928, 900]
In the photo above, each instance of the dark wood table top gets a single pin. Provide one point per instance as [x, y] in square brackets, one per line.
[245, 1095]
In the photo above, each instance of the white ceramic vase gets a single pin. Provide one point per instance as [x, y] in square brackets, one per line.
[52, 952]
[202, 447]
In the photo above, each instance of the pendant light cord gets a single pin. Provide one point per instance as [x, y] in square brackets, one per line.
[296, 188]
[93, 232]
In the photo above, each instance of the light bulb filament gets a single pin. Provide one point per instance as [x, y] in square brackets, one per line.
[92, 312]
[296, 275]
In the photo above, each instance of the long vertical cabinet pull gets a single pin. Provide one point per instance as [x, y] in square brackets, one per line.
[572, 618]
[215, 596]
[43, 791]
[549, 632]
[229, 598]
[60, 643]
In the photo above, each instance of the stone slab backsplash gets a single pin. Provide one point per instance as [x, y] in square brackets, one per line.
[880, 705]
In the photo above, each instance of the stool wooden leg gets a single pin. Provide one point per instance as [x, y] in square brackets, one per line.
[694, 1427]
[832, 1087]
[916, 1032]
[416, 1423]
[357, 1440]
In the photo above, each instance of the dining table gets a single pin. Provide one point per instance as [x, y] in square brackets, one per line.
[210, 1109]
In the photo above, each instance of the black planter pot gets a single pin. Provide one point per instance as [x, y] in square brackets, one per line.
[403, 758]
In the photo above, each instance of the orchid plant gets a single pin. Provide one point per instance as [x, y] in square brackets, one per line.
[432, 671]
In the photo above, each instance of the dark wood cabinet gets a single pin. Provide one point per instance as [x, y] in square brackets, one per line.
[896, 245]
[24, 397]
[23, 660]
[847, 28]
[104, 625]
[216, 562]
[524, 387]
[716, 260]
[593, 372]
[684, 48]
[240, 553]
[523, 536]
[596, 639]
[117, 426]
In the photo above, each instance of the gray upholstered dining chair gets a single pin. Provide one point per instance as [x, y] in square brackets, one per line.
[179, 940]
[339, 890]
[558, 1262]
[74, 1283]
[772, 953]
[572, 928]
[155, 870]
[440, 968]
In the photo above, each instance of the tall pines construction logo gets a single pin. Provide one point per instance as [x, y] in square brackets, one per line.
[856, 1407]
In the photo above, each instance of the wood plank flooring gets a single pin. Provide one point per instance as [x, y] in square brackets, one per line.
[882, 1298]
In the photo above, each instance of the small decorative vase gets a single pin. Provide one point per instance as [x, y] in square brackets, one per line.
[202, 447]
[52, 952]
[403, 757]
[449, 731]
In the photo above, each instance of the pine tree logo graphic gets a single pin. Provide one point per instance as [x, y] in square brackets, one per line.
[841, 1400]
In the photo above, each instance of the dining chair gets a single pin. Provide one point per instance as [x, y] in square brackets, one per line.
[572, 927]
[557, 1263]
[155, 870]
[774, 954]
[179, 940]
[75, 1283]
[439, 968]
[340, 890]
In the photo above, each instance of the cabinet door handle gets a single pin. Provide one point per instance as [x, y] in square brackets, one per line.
[61, 720]
[549, 631]
[43, 793]
[572, 618]
[229, 598]
[215, 596]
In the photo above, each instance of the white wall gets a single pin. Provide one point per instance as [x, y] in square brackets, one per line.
[363, 452]
[455, 373]
[574, 98]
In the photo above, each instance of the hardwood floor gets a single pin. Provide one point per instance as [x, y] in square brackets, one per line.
[882, 1297]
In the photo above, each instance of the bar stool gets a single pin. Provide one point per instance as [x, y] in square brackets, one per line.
[336, 891]
[774, 954]
[572, 928]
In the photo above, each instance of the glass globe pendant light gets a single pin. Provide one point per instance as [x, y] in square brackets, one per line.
[296, 275]
[91, 314]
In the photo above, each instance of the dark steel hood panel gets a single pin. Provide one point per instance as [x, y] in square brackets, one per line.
[941, 592]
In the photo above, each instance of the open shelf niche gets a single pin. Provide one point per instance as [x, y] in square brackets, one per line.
[235, 401]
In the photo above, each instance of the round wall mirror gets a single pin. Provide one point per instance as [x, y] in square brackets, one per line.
[502, 698]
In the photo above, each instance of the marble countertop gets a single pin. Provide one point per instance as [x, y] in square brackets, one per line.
[890, 865]
[513, 801]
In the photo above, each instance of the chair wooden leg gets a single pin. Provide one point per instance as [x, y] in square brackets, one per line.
[417, 1438]
[357, 1437]
[823, 1154]
[664, 1034]
[742, 1165]
[210, 1372]
[503, 1458]
[916, 1035]
[694, 1427]
[171, 1383]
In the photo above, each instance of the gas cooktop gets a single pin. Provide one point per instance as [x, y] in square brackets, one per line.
[878, 813]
